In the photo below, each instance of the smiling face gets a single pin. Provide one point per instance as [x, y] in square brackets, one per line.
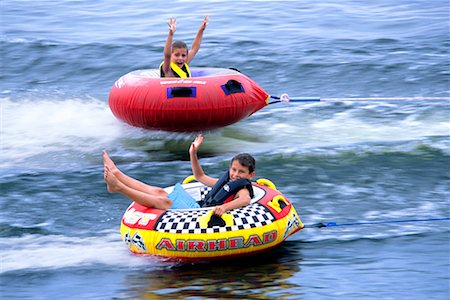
[179, 56]
[238, 171]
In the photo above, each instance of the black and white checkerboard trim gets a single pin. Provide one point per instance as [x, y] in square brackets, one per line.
[186, 222]
[204, 191]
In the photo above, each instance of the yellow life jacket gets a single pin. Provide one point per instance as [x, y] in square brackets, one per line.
[183, 72]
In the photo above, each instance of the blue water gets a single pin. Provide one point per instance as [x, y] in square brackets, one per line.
[340, 161]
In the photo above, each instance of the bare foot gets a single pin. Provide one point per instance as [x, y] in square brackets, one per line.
[113, 184]
[108, 163]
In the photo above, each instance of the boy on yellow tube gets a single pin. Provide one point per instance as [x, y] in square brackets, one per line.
[232, 190]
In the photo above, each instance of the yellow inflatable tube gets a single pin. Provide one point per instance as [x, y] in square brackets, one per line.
[197, 234]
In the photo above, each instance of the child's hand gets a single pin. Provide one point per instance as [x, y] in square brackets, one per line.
[196, 144]
[172, 25]
[219, 210]
[204, 23]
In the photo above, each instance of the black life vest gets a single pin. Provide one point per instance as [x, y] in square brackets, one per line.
[224, 188]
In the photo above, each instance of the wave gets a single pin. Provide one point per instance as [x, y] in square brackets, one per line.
[58, 128]
[40, 252]
[35, 252]
[9, 230]
[46, 128]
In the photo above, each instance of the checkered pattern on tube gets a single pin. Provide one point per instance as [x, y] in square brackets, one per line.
[186, 221]
[204, 191]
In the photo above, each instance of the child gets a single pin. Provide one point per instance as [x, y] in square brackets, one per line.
[241, 171]
[176, 55]
[231, 191]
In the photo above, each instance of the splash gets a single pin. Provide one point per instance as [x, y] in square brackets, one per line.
[40, 252]
[36, 127]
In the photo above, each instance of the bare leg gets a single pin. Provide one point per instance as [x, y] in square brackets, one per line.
[148, 200]
[129, 181]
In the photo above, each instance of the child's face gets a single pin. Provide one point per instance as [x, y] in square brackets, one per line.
[238, 171]
[179, 56]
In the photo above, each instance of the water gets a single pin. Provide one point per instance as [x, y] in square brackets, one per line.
[337, 162]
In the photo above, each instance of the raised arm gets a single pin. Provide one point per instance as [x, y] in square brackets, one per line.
[168, 46]
[197, 41]
[195, 164]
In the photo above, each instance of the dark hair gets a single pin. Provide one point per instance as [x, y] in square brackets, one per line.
[179, 44]
[246, 160]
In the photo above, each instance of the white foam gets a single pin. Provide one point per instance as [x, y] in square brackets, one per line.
[51, 128]
[314, 126]
[32, 127]
[33, 252]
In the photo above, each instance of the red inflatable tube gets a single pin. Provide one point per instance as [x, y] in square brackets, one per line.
[211, 98]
